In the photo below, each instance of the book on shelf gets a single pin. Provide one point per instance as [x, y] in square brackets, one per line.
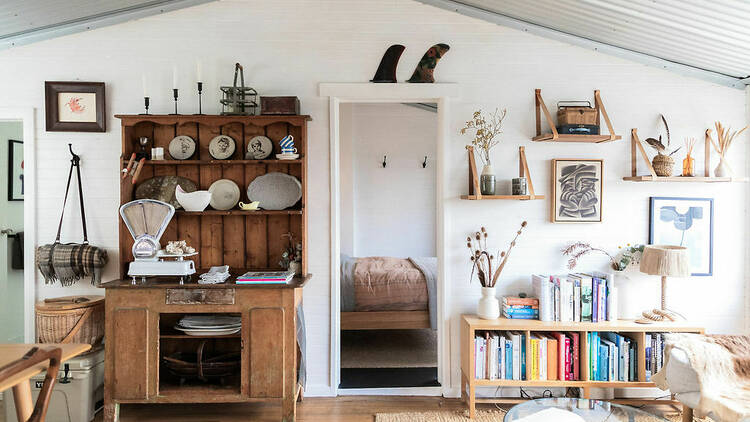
[499, 355]
[265, 277]
[573, 297]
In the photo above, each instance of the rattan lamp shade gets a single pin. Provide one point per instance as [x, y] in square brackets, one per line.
[663, 260]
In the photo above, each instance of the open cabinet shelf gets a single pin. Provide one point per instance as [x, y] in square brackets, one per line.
[636, 147]
[523, 171]
[555, 136]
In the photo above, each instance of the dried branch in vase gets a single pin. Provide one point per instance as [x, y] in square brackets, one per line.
[578, 250]
[486, 128]
[657, 144]
[725, 138]
[482, 260]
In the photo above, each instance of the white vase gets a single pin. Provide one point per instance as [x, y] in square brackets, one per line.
[489, 306]
[721, 170]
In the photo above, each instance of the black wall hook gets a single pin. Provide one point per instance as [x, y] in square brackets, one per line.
[385, 161]
[424, 163]
[76, 158]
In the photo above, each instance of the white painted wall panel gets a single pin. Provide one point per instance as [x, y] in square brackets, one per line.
[289, 46]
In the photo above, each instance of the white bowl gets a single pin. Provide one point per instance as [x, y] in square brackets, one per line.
[192, 201]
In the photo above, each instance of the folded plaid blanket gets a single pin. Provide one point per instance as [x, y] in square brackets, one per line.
[70, 262]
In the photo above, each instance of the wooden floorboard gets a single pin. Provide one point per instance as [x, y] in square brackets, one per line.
[340, 409]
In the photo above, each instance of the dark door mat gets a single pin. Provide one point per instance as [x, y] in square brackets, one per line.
[388, 377]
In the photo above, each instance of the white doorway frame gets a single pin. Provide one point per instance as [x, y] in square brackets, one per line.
[26, 114]
[441, 94]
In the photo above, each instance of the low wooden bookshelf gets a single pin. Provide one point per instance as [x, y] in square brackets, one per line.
[472, 323]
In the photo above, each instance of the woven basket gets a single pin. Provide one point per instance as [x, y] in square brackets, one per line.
[663, 165]
[70, 319]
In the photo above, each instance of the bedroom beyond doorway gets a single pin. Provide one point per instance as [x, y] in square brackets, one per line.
[388, 246]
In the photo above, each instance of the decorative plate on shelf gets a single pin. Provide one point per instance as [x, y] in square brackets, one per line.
[259, 148]
[182, 147]
[221, 147]
[275, 191]
[225, 194]
[162, 188]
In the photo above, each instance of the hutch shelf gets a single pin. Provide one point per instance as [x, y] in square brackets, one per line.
[554, 136]
[140, 318]
[470, 324]
[636, 147]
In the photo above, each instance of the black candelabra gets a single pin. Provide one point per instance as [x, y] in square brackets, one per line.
[200, 97]
[146, 103]
[175, 91]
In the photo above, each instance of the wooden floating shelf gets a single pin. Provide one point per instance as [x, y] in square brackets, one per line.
[516, 197]
[213, 162]
[695, 179]
[541, 108]
[523, 171]
[636, 147]
[592, 139]
[240, 212]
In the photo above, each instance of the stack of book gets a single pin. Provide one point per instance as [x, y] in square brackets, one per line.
[265, 277]
[574, 297]
[500, 355]
[555, 356]
[612, 357]
[520, 307]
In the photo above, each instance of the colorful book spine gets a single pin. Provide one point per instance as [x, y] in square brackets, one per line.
[520, 301]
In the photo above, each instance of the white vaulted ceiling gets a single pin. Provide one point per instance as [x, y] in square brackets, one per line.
[26, 21]
[708, 39]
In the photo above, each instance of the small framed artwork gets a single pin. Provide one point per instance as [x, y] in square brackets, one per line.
[15, 170]
[685, 222]
[577, 189]
[74, 106]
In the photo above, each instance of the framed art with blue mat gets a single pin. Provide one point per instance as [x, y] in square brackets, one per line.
[685, 222]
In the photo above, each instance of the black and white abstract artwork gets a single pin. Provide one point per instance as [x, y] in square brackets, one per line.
[577, 191]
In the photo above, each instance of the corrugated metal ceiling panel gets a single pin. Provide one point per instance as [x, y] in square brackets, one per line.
[708, 35]
[27, 21]
[19, 16]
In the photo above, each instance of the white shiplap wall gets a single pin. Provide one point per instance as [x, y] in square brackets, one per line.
[289, 46]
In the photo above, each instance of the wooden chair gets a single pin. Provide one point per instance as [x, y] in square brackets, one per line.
[31, 358]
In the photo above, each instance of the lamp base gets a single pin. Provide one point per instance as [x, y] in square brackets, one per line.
[658, 315]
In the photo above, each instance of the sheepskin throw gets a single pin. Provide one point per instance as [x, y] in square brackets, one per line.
[723, 366]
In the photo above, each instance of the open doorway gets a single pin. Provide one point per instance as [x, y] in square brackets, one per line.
[17, 228]
[11, 232]
[388, 232]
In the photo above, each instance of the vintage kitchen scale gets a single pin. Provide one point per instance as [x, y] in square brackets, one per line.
[147, 219]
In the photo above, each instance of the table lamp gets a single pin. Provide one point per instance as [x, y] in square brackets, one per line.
[665, 261]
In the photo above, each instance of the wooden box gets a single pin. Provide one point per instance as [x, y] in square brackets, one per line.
[279, 105]
[569, 114]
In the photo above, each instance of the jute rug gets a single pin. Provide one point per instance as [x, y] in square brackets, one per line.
[481, 416]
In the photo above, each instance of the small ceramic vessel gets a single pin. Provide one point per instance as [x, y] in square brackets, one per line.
[192, 201]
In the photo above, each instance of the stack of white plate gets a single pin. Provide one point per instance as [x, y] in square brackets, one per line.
[209, 325]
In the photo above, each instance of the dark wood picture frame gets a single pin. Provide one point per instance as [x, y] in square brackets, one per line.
[11, 175]
[52, 112]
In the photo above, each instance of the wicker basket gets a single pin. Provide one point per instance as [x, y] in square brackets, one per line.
[663, 165]
[70, 319]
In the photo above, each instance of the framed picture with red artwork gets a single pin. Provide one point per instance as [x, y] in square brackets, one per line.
[74, 106]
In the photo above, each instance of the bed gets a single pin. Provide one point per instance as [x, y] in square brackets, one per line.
[380, 293]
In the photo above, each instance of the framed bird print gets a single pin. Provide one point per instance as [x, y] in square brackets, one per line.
[577, 189]
[74, 106]
[685, 222]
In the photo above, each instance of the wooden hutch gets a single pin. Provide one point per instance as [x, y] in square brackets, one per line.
[140, 318]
